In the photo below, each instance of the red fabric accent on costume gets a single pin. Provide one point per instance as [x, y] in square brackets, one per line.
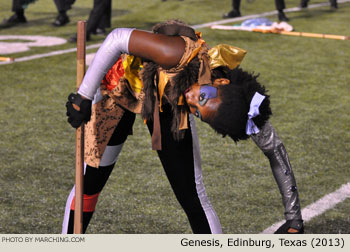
[111, 79]
[89, 202]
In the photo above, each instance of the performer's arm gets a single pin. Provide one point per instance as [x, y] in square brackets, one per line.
[115, 44]
[165, 51]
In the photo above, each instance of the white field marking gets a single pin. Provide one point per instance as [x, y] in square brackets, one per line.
[89, 58]
[311, 6]
[319, 207]
[54, 53]
[30, 41]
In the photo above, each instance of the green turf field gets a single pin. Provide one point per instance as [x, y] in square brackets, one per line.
[309, 83]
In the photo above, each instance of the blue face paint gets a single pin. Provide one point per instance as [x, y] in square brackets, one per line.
[207, 92]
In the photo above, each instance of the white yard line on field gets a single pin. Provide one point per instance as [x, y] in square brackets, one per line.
[320, 206]
[225, 21]
[54, 53]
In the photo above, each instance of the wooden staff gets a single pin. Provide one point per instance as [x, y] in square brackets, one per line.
[79, 140]
[276, 31]
[304, 34]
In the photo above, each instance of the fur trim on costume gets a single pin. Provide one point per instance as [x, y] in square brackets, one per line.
[184, 79]
[148, 74]
[177, 86]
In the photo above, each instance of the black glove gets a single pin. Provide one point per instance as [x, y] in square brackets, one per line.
[77, 117]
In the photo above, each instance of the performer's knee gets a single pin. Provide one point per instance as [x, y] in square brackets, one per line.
[110, 155]
[96, 178]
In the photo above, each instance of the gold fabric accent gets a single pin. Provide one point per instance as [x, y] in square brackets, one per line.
[132, 66]
[226, 55]
[129, 91]
[181, 100]
[156, 134]
[163, 81]
[195, 52]
[184, 121]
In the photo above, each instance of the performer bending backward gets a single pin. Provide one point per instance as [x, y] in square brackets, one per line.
[180, 77]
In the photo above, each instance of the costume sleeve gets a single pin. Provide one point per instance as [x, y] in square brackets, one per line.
[115, 44]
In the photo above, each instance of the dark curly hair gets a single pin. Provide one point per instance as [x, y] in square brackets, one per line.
[232, 114]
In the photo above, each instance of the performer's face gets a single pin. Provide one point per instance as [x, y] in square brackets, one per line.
[203, 101]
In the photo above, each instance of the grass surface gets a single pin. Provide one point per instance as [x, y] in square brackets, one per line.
[308, 80]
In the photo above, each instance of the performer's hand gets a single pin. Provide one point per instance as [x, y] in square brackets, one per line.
[78, 110]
